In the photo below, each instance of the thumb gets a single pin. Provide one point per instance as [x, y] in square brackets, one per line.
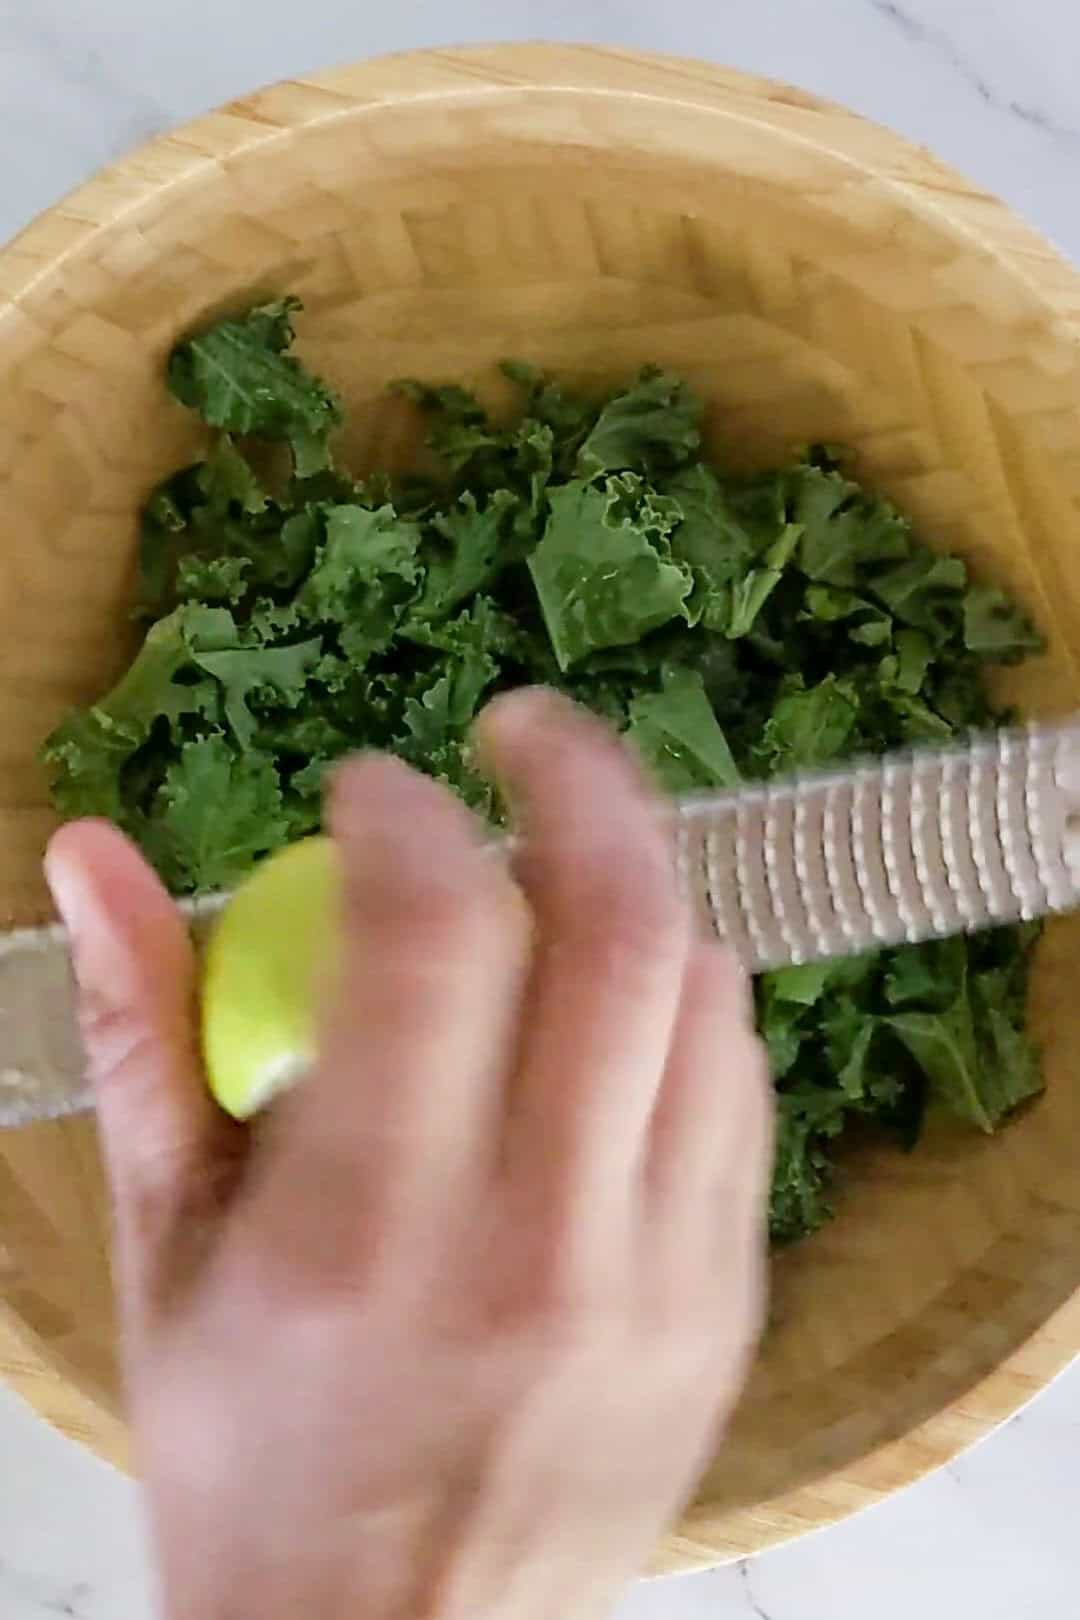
[164, 1139]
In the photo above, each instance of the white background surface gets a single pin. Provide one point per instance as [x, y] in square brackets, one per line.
[991, 86]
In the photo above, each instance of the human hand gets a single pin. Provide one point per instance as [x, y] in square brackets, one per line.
[451, 1332]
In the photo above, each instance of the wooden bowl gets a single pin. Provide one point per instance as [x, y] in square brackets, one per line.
[591, 210]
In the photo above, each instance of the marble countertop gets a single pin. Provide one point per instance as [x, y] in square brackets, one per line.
[990, 86]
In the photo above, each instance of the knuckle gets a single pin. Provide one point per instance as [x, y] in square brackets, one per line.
[414, 972]
[327, 1248]
[628, 955]
[428, 909]
[565, 1293]
[637, 873]
[561, 1315]
[628, 906]
[421, 953]
[120, 1048]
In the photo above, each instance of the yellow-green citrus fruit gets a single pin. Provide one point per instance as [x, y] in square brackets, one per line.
[265, 975]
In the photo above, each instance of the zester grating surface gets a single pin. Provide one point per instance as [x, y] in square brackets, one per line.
[906, 848]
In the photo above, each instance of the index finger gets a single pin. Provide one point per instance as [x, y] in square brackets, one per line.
[391, 1136]
[610, 951]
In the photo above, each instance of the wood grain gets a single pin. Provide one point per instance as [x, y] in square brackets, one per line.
[815, 277]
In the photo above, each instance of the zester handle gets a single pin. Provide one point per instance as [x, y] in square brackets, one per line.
[908, 848]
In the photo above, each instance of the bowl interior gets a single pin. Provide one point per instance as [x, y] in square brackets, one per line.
[813, 278]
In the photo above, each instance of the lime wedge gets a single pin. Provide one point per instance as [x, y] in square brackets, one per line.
[265, 973]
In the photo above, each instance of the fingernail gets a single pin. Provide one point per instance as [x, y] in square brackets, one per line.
[367, 778]
[68, 891]
[74, 899]
[514, 715]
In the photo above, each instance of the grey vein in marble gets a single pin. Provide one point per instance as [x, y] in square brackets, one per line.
[746, 1575]
[46, 1597]
[942, 42]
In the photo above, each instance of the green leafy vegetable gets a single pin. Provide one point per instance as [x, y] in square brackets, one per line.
[677, 733]
[810, 727]
[842, 529]
[239, 376]
[214, 814]
[603, 575]
[995, 628]
[649, 429]
[466, 551]
[731, 627]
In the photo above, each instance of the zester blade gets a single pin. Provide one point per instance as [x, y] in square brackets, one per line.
[42, 1066]
[905, 848]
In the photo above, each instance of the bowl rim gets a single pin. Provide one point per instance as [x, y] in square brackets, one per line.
[706, 1537]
